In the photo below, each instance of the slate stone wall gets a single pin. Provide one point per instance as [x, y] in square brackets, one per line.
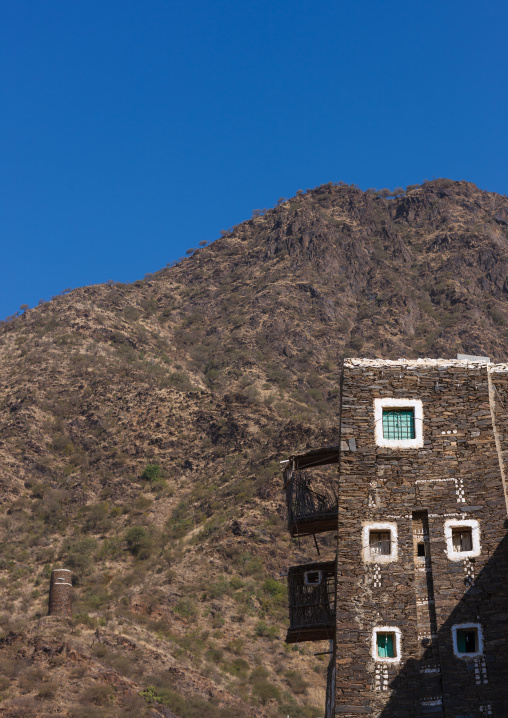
[456, 476]
[60, 593]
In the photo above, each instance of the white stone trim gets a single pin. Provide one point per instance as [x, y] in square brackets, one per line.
[475, 535]
[398, 653]
[388, 403]
[460, 626]
[424, 362]
[367, 527]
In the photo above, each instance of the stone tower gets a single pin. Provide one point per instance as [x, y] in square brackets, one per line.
[60, 593]
[421, 626]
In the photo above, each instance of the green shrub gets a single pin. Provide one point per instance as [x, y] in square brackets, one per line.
[236, 583]
[50, 508]
[356, 342]
[296, 711]
[251, 565]
[259, 673]
[273, 587]
[236, 645]
[266, 692]
[98, 695]
[4, 683]
[131, 313]
[238, 667]
[80, 558]
[96, 598]
[85, 620]
[497, 317]
[139, 542]
[96, 518]
[220, 588]
[266, 631]
[185, 608]
[152, 473]
[296, 682]
[214, 655]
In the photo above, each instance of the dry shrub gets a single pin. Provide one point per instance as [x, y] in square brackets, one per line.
[30, 679]
[22, 707]
[9, 665]
[97, 695]
[47, 691]
[297, 683]
[89, 711]
[4, 683]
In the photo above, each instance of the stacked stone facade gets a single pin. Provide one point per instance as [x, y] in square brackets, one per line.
[60, 593]
[452, 475]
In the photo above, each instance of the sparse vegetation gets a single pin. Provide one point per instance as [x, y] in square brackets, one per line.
[152, 473]
[139, 542]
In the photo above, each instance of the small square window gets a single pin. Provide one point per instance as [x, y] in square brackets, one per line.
[380, 543]
[312, 578]
[385, 643]
[462, 539]
[420, 549]
[467, 640]
[398, 424]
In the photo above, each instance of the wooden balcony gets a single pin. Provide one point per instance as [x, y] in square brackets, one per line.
[311, 591]
[311, 501]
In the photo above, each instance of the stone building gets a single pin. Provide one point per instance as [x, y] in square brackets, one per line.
[60, 593]
[421, 577]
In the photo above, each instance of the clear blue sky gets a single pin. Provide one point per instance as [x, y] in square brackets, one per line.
[130, 131]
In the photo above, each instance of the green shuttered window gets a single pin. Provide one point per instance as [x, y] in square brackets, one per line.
[467, 640]
[385, 645]
[398, 424]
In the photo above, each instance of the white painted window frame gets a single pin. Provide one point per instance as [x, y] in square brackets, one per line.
[460, 627]
[306, 578]
[398, 644]
[451, 524]
[387, 403]
[390, 526]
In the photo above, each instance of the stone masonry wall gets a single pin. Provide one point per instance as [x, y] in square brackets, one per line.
[60, 593]
[454, 476]
[498, 374]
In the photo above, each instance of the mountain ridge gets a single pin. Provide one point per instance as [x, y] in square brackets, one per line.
[211, 371]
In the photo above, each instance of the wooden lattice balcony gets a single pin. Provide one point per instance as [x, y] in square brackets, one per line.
[311, 591]
[311, 502]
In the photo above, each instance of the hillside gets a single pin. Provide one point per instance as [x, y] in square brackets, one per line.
[142, 426]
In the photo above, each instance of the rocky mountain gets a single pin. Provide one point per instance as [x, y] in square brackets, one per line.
[142, 427]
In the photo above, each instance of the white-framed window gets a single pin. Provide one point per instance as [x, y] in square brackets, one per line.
[398, 423]
[462, 539]
[312, 578]
[379, 542]
[467, 640]
[386, 644]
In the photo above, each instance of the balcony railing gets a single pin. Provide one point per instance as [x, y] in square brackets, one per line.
[380, 548]
[311, 503]
[311, 591]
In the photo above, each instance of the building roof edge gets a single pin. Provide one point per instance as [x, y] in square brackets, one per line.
[424, 362]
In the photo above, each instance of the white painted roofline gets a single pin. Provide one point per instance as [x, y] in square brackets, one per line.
[424, 361]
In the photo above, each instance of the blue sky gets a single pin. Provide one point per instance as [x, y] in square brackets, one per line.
[132, 131]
